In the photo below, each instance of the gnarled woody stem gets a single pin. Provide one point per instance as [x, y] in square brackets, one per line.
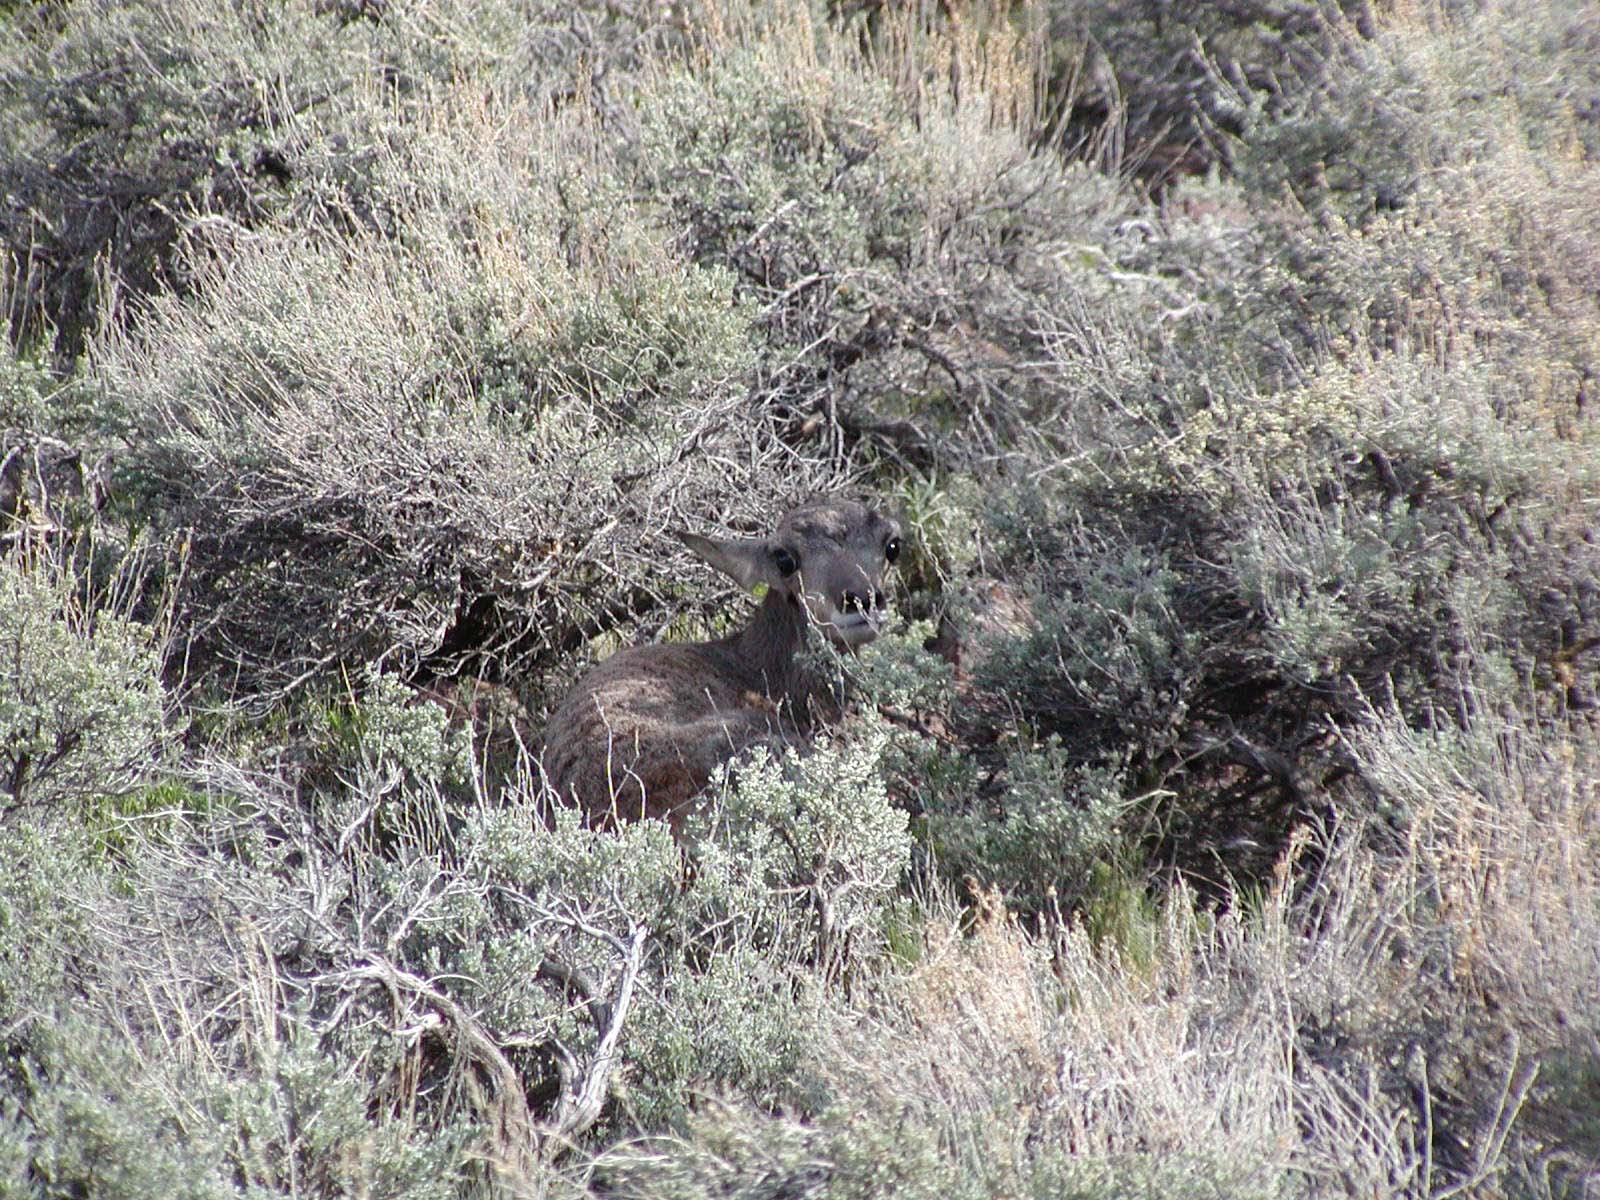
[517, 1138]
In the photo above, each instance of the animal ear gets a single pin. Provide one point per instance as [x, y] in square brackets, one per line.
[747, 561]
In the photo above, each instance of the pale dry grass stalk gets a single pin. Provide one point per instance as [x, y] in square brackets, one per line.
[1256, 1041]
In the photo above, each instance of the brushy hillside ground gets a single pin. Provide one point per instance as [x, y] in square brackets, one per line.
[1219, 819]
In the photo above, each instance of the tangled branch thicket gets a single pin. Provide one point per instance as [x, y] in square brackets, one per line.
[1218, 817]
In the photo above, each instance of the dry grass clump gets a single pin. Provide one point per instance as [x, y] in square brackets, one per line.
[1045, 1063]
[1404, 1011]
[1499, 829]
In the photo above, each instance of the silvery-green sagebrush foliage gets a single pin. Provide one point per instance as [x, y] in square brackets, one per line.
[1239, 839]
[81, 700]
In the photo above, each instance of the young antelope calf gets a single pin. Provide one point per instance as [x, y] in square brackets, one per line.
[642, 732]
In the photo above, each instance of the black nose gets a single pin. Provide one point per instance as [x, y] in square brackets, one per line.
[856, 602]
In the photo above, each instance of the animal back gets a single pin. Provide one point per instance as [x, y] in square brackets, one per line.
[643, 732]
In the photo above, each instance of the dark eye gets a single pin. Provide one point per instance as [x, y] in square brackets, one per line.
[891, 549]
[785, 562]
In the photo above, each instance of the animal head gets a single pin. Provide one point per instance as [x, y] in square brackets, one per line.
[827, 558]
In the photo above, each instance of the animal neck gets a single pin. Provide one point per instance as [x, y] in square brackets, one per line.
[767, 646]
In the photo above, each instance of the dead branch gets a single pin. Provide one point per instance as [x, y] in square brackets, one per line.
[517, 1138]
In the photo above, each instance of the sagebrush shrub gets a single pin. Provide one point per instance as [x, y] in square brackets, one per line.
[453, 433]
[1046, 832]
[122, 122]
[1164, 93]
[788, 871]
[125, 1081]
[1242, 846]
[893, 233]
[81, 698]
[819, 827]
[119, 118]
[1371, 127]
[23, 386]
